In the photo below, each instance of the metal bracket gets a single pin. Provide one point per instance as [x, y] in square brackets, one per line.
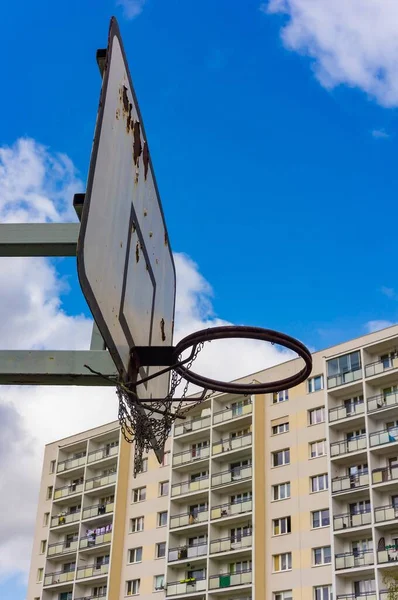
[153, 356]
[38, 239]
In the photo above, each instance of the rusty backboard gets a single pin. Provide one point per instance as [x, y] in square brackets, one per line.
[125, 263]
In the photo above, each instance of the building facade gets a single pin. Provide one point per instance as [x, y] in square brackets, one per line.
[277, 497]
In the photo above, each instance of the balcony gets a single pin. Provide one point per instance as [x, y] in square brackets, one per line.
[104, 452]
[65, 518]
[363, 596]
[386, 513]
[185, 519]
[389, 555]
[230, 510]
[382, 401]
[59, 577]
[195, 424]
[348, 520]
[98, 509]
[71, 463]
[380, 366]
[231, 476]
[343, 378]
[345, 411]
[92, 571]
[231, 543]
[384, 436]
[185, 587]
[94, 540]
[344, 447]
[100, 481]
[186, 487]
[187, 552]
[349, 483]
[229, 444]
[226, 580]
[92, 597]
[68, 490]
[354, 560]
[191, 455]
[62, 547]
[227, 414]
[385, 474]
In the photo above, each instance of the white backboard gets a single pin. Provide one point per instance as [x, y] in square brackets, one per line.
[125, 263]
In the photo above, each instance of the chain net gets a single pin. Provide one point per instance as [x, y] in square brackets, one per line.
[146, 424]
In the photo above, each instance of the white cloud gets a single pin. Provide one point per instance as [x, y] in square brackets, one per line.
[131, 8]
[376, 325]
[33, 317]
[351, 42]
[380, 134]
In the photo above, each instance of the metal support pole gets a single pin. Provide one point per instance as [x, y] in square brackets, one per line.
[38, 239]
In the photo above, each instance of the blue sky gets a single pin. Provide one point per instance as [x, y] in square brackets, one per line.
[275, 157]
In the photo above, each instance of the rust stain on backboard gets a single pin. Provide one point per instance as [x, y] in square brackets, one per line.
[137, 146]
[145, 158]
[162, 324]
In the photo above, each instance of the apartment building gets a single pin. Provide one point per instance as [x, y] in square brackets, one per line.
[277, 497]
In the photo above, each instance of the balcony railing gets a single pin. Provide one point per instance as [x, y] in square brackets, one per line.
[349, 482]
[103, 452]
[65, 518]
[231, 476]
[354, 560]
[228, 544]
[200, 483]
[191, 455]
[92, 541]
[92, 571]
[386, 513]
[231, 509]
[385, 436]
[184, 519]
[380, 366]
[346, 410]
[390, 554]
[92, 597]
[100, 480]
[59, 577]
[71, 463]
[232, 413]
[385, 595]
[192, 425]
[352, 520]
[98, 509]
[186, 587]
[382, 401]
[63, 547]
[225, 580]
[67, 490]
[232, 443]
[343, 378]
[185, 552]
[346, 446]
[363, 596]
[385, 474]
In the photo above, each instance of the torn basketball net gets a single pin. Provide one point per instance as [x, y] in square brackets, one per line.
[147, 423]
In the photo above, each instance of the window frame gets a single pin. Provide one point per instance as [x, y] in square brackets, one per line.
[133, 583]
[276, 487]
[313, 411]
[138, 492]
[288, 525]
[316, 455]
[320, 511]
[134, 550]
[282, 596]
[323, 587]
[144, 466]
[311, 384]
[275, 428]
[288, 559]
[279, 397]
[322, 550]
[166, 459]
[285, 452]
[158, 588]
[316, 477]
[157, 546]
[140, 519]
[159, 518]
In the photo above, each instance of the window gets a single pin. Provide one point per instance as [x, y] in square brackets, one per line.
[282, 526]
[344, 364]
[322, 556]
[282, 562]
[282, 457]
[46, 518]
[133, 587]
[166, 459]
[100, 590]
[43, 545]
[158, 582]
[135, 555]
[240, 567]
[164, 488]
[285, 595]
[280, 396]
[161, 550]
[281, 428]
[39, 576]
[144, 468]
[315, 383]
[281, 491]
[323, 592]
[139, 494]
[52, 466]
[162, 518]
[318, 449]
[49, 494]
[319, 483]
[316, 415]
[320, 518]
[65, 596]
[238, 407]
[137, 524]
